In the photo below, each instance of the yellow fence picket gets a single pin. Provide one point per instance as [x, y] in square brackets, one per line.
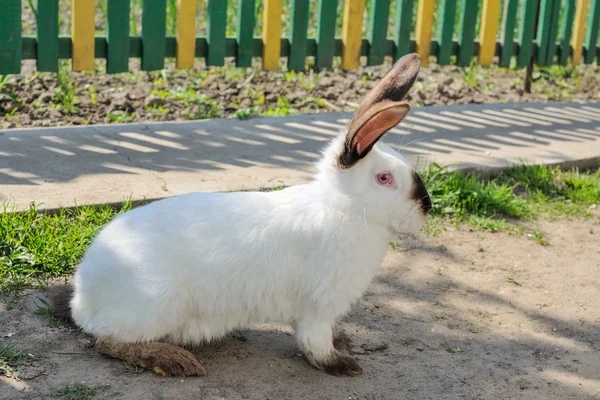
[271, 34]
[186, 33]
[82, 31]
[487, 35]
[424, 29]
[581, 14]
[352, 33]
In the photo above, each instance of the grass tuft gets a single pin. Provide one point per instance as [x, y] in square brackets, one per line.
[76, 391]
[520, 193]
[38, 245]
[9, 356]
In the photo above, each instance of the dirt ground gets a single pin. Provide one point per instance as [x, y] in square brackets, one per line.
[31, 100]
[464, 315]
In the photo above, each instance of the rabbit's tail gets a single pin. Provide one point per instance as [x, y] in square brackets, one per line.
[59, 298]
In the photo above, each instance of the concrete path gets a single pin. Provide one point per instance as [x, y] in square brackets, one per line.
[105, 164]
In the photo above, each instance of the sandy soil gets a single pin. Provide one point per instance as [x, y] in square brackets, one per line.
[464, 315]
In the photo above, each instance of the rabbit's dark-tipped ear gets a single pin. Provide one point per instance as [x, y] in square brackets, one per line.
[380, 110]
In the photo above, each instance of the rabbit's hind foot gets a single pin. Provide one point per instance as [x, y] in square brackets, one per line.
[162, 358]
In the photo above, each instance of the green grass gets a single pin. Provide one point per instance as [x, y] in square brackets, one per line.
[522, 192]
[64, 97]
[36, 246]
[9, 356]
[75, 391]
[52, 320]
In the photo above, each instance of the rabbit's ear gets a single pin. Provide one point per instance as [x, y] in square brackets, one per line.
[380, 111]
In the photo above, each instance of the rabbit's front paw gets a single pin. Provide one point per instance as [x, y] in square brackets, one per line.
[341, 341]
[340, 365]
[178, 363]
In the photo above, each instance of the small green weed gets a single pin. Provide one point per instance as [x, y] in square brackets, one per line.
[77, 391]
[9, 356]
[121, 118]
[53, 320]
[538, 237]
[246, 113]
[453, 349]
[283, 108]
[65, 95]
[132, 369]
[4, 79]
[513, 281]
[394, 245]
[92, 93]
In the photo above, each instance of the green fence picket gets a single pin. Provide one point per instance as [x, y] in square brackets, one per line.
[446, 31]
[117, 59]
[215, 28]
[326, 33]
[10, 37]
[543, 31]
[154, 25]
[554, 21]
[298, 32]
[244, 33]
[466, 33]
[402, 28]
[566, 32]
[47, 35]
[153, 46]
[591, 33]
[526, 31]
[377, 36]
[508, 34]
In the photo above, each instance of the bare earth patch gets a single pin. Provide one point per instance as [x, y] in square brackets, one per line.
[464, 315]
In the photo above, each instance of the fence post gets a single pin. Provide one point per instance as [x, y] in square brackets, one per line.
[326, 33]
[352, 33]
[446, 31]
[508, 34]
[271, 34]
[579, 30]
[245, 33]
[529, 70]
[117, 59]
[466, 33]
[380, 13]
[566, 33]
[154, 27]
[186, 33]
[424, 29]
[592, 31]
[298, 33]
[487, 35]
[82, 32]
[403, 28]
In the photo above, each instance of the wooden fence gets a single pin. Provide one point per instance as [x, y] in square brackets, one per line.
[494, 31]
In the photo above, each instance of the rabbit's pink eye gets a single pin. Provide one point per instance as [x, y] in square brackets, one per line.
[385, 179]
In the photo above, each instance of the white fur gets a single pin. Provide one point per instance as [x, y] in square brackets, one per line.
[191, 268]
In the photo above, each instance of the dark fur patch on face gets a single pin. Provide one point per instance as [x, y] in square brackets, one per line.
[419, 194]
[340, 365]
[162, 358]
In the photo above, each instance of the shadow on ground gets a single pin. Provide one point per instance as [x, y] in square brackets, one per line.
[439, 321]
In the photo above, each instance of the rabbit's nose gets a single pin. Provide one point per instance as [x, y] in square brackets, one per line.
[419, 194]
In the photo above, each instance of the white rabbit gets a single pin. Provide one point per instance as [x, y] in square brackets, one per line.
[191, 268]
